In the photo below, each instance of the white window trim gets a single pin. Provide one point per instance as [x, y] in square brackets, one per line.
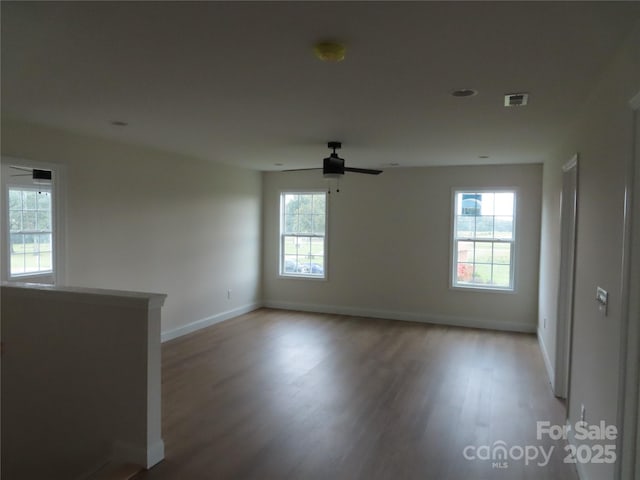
[453, 254]
[58, 224]
[306, 191]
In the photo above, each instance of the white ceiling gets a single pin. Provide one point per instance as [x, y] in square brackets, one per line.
[238, 83]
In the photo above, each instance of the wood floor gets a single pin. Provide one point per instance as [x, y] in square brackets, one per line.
[288, 395]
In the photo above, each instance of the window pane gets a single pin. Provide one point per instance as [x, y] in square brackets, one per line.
[502, 253]
[15, 221]
[15, 200]
[319, 204]
[290, 264]
[305, 223]
[291, 224]
[29, 199]
[17, 263]
[504, 204]
[484, 227]
[464, 272]
[487, 204]
[304, 246]
[46, 260]
[31, 262]
[469, 204]
[17, 243]
[44, 242]
[43, 221]
[501, 275]
[44, 201]
[483, 252]
[482, 274]
[290, 246]
[465, 252]
[504, 227]
[30, 244]
[29, 221]
[318, 224]
[465, 226]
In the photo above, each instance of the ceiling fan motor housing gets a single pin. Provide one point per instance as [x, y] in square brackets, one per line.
[333, 165]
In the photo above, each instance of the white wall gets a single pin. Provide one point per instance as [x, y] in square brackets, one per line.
[604, 142]
[389, 247]
[146, 220]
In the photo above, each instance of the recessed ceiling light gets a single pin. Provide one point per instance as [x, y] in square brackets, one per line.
[119, 123]
[464, 92]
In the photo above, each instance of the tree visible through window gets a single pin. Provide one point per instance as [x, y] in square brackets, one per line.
[31, 242]
[302, 234]
[484, 239]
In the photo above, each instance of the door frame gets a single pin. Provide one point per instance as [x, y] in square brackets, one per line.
[566, 277]
[628, 418]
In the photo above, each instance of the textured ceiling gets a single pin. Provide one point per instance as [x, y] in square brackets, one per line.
[238, 83]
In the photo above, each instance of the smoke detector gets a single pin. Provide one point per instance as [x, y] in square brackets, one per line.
[330, 51]
[516, 99]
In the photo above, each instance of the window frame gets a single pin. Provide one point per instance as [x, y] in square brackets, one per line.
[281, 236]
[57, 275]
[454, 242]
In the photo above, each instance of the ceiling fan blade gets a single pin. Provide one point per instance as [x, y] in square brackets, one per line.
[363, 170]
[21, 174]
[25, 169]
[300, 169]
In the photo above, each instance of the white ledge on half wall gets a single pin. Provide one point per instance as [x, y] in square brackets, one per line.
[101, 295]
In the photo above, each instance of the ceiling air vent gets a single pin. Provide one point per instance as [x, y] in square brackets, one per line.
[516, 99]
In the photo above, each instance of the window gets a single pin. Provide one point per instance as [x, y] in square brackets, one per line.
[30, 231]
[303, 225]
[484, 239]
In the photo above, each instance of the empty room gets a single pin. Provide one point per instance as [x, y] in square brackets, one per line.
[320, 240]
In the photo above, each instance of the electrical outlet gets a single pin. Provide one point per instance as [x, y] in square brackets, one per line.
[583, 413]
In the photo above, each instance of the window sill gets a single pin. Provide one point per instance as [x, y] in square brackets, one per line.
[478, 289]
[301, 277]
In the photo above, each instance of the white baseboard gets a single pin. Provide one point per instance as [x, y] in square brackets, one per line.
[406, 316]
[547, 362]
[139, 455]
[207, 322]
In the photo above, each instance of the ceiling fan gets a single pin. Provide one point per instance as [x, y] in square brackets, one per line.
[34, 173]
[333, 165]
